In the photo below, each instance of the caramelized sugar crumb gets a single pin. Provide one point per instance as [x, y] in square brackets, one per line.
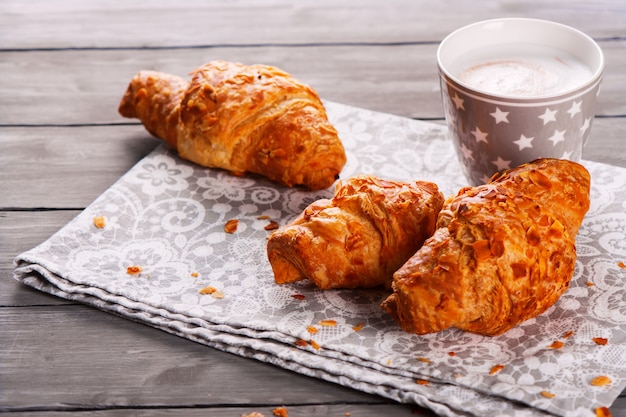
[214, 292]
[99, 222]
[496, 369]
[280, 412]
[231, 226]
[601, 381]
[271, 225]
[208, 290]
[301, 343]
[134, 270]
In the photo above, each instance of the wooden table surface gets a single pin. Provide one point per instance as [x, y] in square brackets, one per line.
[64, 65]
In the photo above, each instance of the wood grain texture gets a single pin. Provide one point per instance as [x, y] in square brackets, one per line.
[21, 231]
[81, 162]
[158, 24]
[66, 167]
[330, 410]
[173, 371]
[64, 65]
[400, 79]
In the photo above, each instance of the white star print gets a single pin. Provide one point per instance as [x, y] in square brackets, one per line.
[575, 109]
[467, 152]
[559, 136]
[566, 155]
[585, 125]
[524, 142]
[500, 116]
[458, 102]
[548, 116]
[502, 164]
[479, 135]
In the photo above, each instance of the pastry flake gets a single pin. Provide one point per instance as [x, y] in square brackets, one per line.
[231, 226]
[99, 222]
[134, 269]
[600, 341]
[280, 412]
[601, 381]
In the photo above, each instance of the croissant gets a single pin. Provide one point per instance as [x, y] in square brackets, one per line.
[359, 237]
[502, 253]
[241, 118]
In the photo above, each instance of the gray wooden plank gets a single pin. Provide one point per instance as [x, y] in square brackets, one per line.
[334, 410]
[21, 231]
[75, 23]
[39, 88]
[68, 167]
[91, 359]
[606, 142]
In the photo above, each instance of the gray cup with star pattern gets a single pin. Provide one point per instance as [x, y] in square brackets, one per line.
[518, 89]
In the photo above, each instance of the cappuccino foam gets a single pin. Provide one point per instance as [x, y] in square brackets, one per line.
[528, 72]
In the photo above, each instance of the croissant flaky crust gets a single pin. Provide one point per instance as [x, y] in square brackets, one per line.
[502, 253]
[242, 118]
[359, 237]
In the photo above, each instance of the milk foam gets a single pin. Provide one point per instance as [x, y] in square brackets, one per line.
[530, 71]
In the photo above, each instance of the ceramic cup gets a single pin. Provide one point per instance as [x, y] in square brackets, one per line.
[518, 89]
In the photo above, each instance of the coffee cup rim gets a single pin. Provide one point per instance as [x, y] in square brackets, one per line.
[598, 69]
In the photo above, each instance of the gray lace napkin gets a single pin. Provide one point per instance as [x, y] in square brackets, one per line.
[161, 256]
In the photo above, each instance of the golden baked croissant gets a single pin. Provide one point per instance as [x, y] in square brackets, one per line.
[502, 253]
[241, 118]
[359, 237]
